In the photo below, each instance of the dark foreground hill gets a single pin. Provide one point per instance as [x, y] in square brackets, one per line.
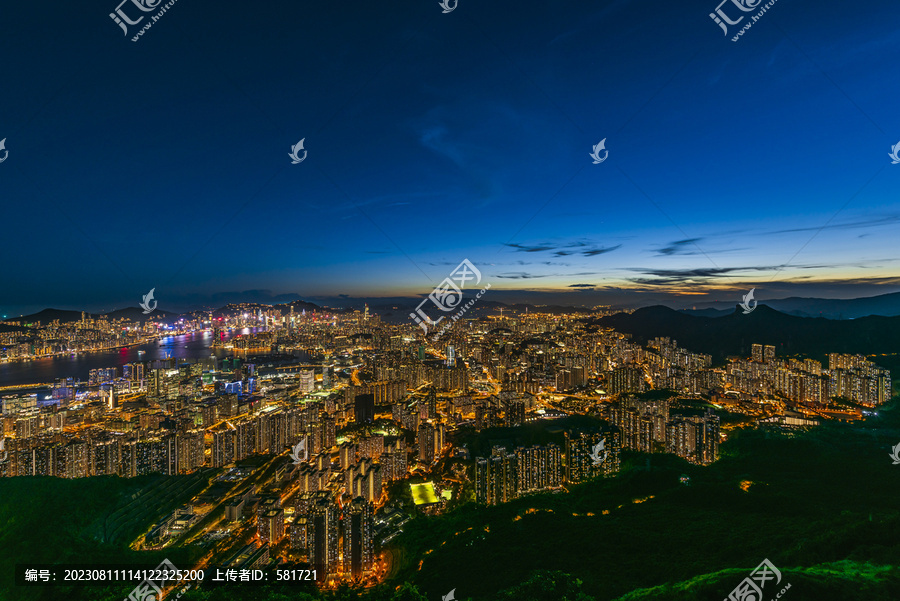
[820, 505]
[734, 334]
[887, 305]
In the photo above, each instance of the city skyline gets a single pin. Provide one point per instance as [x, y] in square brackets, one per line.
[446, 299]
[762, 163]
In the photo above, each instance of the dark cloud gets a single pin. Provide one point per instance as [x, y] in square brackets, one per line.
[529, 249]
[663, 277]
[521, 275]
[689, 246]
[565, 250]
[600, 251]
[678, 246]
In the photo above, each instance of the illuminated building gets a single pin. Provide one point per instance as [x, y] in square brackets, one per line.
[694, 438]
[307, 380]
[538, 468]
[359, 544]
[270, 525]
[580, 455]
[425, 438]
[105, 457]
[323, 536]
[222, 447]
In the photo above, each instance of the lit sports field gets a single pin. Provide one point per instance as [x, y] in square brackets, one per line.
[423, 493]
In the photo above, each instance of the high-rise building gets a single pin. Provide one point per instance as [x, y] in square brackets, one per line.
[425, 439]
[515, 413]
[496, 477]
[270, 525]
[323, 536]
[223, 447]
[756, 352]
[347, 454]
[105, 457]
[299, 531]
[359, 543]
[329, 431]
[190, 451]
[307, 380]
[245, 439]
[591, 454]
[363, 480]
[394, 460]
[538, 468]
[625, 379]
[695, 438]
[364, 408]
[372, 447]
[228, 405]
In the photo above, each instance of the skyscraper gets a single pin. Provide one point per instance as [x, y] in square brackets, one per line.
[223, 447]
[583, 462]
[364, 408]
[496, 477]
[270, 525]
[425, 440]
[323, 535]
[359, 544]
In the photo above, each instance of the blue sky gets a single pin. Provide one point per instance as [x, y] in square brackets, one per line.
[437, 137]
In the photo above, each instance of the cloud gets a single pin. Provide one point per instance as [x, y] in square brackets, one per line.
[520, 275]
[848, 225]
[581, 285]
[664, 277]
[678, 246]
[529, 249]
[564, 250]
[690, 246]
[601, 251]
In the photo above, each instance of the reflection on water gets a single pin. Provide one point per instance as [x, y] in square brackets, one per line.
[186, 346]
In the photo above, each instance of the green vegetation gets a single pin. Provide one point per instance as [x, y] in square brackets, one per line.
[533, 433]
[821, 504]
[823, 501]
[88, 520]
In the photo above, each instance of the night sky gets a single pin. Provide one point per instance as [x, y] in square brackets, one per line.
[436, 137]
